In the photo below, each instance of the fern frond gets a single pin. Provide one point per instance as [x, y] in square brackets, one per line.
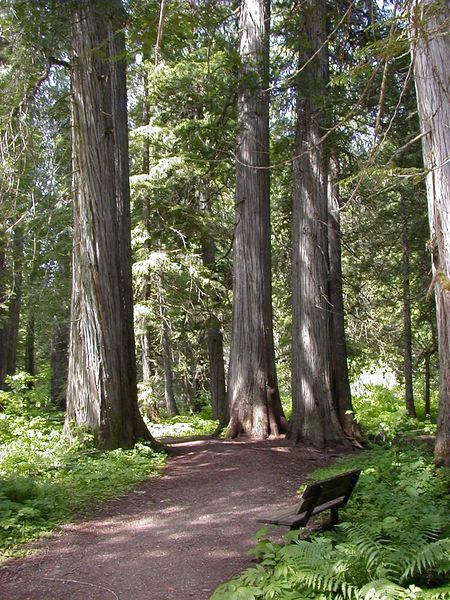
[382, 588]
[370, 544]
[319, 582]
[432, 555]
[308, 555]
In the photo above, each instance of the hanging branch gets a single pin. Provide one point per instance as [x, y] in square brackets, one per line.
[160, 34]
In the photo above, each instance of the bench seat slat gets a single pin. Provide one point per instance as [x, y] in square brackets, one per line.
[290, 518]
[328, 494]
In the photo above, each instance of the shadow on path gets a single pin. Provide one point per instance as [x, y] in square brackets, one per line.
[176, 537]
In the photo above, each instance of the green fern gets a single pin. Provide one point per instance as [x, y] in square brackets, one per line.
[369, 543]
[382, 588]
[432, 555]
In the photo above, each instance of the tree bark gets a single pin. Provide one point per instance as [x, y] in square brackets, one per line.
[253, 396]
[341, 391]
[314, 418]
[102, 393]
[427, 392]
[407, 335]
[169, 395]
[11, 299]
[59, 363]
[147, 357]
[15, 302]
[30, 359]
[214, 335]
[430, 44]
[4, 293]
[217, 371]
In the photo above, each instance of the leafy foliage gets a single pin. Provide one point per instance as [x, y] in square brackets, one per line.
[393, 539]
[382, 414]
[43, 482]
[182, 425]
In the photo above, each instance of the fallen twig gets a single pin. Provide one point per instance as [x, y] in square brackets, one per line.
[102, 587]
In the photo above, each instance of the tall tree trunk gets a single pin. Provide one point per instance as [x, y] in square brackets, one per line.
[146, 355]
[217, 371]
[102, 393]
[166, 347]
[314, 418]
[407, 336]
[10, 303]
[214, 335]
[59, 363]
[146, 340]
[30, 361]
[431, 55]
[339, 367]
[427, 392]
[253, 396]
[15, 304]
[4, 294]
[169, 394]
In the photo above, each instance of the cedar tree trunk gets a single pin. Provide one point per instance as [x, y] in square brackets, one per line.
[214, 333]
[314, 417]
[431, 55]
[339, 366]
[30, 358]
[407, 336]
[253, 397]
[10, 303]
[102, 393]
[169, 395]
[4, 292]
[59, 363]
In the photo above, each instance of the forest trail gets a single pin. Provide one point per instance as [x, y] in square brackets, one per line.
[176, 537]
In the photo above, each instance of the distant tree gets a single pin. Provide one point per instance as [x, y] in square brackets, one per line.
[253, 396]
[214, 332]
[10, 302]
[182, 191]
[430, 43]
[59, 363]
[339, 372]
[102, 392]
[406, 284]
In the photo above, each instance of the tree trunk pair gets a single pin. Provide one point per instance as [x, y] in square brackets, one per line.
[320, 386]
[253, 397]
[101, 392]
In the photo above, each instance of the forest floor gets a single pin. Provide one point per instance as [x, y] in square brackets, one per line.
[175, 537]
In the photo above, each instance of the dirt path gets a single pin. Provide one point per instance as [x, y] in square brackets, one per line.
[176, 537]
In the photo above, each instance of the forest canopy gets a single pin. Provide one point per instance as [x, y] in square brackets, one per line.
[237, 208]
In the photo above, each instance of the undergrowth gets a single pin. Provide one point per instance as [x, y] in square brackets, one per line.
[382, 415]
[183, 425]
[393, 542]
[43, 481]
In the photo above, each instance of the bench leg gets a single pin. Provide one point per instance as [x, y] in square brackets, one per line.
[334, 517]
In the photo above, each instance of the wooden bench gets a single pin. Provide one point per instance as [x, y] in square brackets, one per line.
[328, 494]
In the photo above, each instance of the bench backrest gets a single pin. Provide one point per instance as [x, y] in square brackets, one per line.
[337, 487]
